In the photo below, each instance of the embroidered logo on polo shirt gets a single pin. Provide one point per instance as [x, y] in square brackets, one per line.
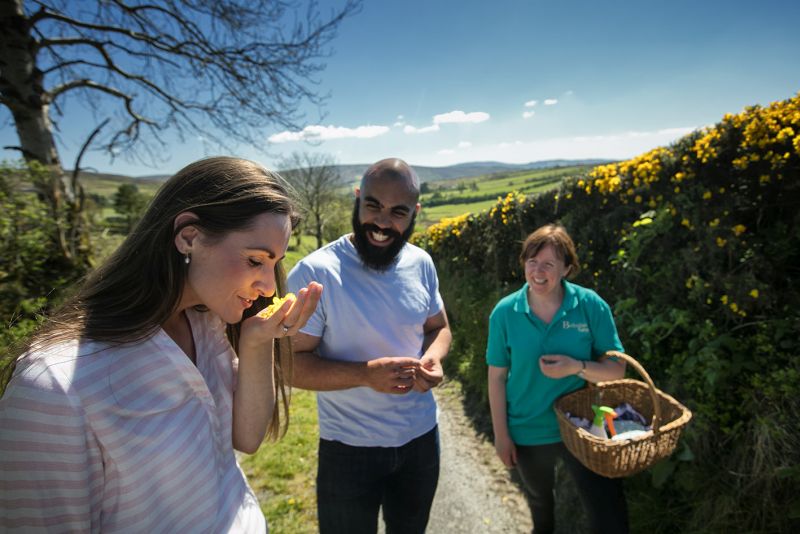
[580, 327]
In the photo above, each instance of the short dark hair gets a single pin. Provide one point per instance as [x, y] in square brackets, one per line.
[557, 236]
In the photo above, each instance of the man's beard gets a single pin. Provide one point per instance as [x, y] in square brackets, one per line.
[378, 258]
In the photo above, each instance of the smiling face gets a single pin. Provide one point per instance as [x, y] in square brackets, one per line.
[383, 219]
[227, 275]
[544, 271]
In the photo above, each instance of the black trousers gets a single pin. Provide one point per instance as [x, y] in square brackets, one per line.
[603, 498]
[353, 483]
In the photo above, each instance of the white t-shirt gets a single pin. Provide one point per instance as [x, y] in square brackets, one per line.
[366, 314]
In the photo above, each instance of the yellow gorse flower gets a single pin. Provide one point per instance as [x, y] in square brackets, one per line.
[277, 302]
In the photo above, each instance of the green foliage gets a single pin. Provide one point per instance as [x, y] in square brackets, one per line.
[338, 220]
[32, 271]
[696, 248]
[130, 203]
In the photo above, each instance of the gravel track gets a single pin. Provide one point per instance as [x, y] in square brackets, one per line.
[475, 492]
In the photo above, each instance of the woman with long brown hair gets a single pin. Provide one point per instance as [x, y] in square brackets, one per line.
[124, 410]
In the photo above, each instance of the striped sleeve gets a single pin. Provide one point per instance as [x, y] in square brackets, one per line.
[51, 475]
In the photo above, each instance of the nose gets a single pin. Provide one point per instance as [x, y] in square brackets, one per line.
[265, 285]
[383, 220]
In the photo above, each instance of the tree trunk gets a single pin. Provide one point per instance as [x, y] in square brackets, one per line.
[318, 230]
[22, 91]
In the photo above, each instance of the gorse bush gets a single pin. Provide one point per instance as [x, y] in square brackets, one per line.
[697, 249]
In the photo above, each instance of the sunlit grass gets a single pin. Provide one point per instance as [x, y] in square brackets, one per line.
[283, 474]
[528, 182]
[297, 252]
[434, 214]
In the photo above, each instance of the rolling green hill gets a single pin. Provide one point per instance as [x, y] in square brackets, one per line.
[442, 197]
[454, 197]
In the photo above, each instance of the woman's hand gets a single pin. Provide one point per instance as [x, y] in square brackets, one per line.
[285, 321]
[559, 365]
[506, 450]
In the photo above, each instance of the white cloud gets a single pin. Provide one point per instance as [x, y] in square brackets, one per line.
[446, 152]
[612, 145]
[528, 114]
[667, 135]
[459, 116]
[464, 144]
[324, 133]
[426, 129]
[531, 103]
[550, 102]
[677, 132]
[569, 93]
[400, 117]
[399, 123]
[507, 144]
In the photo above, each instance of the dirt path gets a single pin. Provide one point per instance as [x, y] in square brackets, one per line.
[475, 492]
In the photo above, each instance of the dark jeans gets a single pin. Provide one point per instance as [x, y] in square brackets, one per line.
[603, 498]
[354, 482]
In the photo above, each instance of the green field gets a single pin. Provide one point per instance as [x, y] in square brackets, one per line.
[450, 198]
[444, 198]
[107, 184]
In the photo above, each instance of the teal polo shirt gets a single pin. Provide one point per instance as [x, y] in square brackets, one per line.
[583, 328]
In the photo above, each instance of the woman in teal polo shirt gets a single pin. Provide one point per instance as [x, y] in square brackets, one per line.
[544, 340]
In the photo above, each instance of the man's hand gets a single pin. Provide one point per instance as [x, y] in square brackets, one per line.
[429, 374]
[392, 374]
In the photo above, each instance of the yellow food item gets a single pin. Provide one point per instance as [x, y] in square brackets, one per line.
[277, 302]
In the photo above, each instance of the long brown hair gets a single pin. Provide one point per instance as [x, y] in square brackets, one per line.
[138, 287]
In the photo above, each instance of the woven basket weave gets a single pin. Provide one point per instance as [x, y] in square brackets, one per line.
[616, 459]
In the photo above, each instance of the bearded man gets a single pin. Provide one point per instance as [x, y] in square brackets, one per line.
[373, 351]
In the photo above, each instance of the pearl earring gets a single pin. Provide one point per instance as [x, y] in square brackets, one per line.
[188, 259]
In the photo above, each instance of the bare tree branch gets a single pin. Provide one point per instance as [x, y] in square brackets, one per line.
[77, 167]
[226, 69]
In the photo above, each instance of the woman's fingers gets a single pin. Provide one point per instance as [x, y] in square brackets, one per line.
[302, 308]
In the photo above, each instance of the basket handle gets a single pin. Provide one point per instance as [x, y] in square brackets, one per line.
[639, 369]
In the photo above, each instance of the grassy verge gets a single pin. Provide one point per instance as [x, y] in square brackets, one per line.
[298, 251]
[282, 474]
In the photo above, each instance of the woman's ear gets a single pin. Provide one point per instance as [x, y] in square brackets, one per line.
[184, 239]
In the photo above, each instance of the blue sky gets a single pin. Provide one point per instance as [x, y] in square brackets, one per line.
[442, 82]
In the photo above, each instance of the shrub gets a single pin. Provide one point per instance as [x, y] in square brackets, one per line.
[696, 248]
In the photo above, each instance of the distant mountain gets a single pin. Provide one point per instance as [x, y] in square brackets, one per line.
[476, 168]
[352, 172]
[121, 178]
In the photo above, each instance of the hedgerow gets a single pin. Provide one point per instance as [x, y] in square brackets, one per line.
[697, 249]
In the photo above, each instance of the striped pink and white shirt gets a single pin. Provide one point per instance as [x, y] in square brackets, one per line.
[125, 439]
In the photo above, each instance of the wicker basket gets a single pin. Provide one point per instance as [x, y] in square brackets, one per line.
[616, 459]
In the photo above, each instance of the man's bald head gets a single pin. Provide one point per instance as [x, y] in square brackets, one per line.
[395, 170]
